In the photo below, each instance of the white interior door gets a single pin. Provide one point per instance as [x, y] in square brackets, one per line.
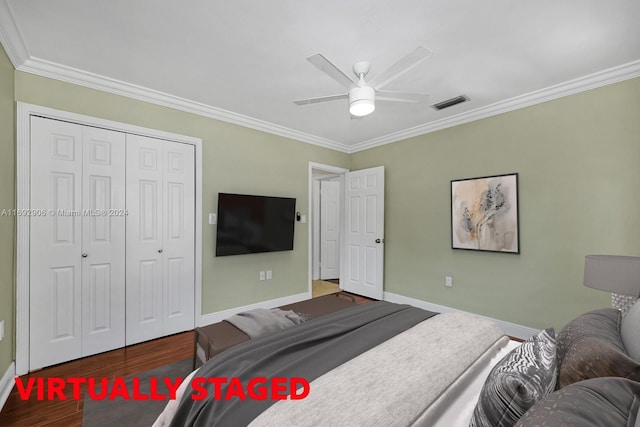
[144, 239]
[329, 230]
[103, 240]
[362, 269]
[160, 238]
[178, 237]
[55, 298]
[76, 301]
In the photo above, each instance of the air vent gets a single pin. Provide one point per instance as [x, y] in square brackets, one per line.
[450, 102]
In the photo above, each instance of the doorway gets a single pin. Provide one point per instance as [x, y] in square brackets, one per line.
[325, 227]
[360, 225]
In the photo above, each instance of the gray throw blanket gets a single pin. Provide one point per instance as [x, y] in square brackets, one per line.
[262, 321]
[307, 351]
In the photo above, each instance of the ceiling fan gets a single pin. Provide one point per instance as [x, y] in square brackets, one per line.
[363, 94]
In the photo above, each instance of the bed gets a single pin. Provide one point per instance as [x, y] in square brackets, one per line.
[392, 364]
[366, 342]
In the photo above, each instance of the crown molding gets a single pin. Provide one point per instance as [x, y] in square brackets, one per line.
[94, 81]
[10, 37]
[79, 77]
[592, 81]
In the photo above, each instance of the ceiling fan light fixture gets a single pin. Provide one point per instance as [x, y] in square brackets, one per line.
[362, 101]
[362, 107]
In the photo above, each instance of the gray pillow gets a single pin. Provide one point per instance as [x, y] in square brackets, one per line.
[517, 382]
[630, 331]
[598, 402]
[590, 346]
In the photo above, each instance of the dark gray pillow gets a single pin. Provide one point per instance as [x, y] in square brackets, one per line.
[598, 402]
[590, 346]
[517, 382]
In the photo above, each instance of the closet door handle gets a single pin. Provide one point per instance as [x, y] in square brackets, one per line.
[84, 255]
[159, 251]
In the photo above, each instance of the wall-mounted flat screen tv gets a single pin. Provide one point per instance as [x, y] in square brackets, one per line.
[252, 224]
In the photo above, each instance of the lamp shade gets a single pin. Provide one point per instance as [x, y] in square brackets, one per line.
[612, 273]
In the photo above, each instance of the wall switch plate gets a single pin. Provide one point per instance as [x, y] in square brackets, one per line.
[448, 281]
[1, 330]
[212, 218]
[262, 275]
[269, 274]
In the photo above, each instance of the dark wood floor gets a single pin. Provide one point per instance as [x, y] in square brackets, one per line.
[117, 363]
[356, 298]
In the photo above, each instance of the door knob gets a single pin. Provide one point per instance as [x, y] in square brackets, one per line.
[84, 255]
[378, 241]
[159, 251]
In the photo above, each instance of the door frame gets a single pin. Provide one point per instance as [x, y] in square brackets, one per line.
[313, 166]
[23, 197]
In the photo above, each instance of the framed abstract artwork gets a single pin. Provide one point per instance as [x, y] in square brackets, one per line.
[484, 214]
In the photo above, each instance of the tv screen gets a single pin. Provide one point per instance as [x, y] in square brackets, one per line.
[252, 224]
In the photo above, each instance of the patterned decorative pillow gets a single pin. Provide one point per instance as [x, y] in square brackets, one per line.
[517, 382]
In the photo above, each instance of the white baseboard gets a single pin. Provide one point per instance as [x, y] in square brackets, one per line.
[6, 383]
[512, 329]
[218, 316]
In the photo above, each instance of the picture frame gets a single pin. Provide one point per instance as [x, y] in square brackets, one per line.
[485, 214]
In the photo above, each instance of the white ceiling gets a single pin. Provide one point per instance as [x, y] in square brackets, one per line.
[245, 61]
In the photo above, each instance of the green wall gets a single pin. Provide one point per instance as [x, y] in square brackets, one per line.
[579, 177]
[235, 159]
[7, 201]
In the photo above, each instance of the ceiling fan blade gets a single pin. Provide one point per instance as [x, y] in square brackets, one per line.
[401, 67]
[385, 95]
[334, 72]
[321, 99]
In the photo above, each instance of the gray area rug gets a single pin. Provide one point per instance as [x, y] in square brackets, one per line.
[120, 412]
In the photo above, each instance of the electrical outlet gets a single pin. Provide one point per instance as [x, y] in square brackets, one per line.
[262, 275]
[448, 281]
[269, 274]
[1, 330]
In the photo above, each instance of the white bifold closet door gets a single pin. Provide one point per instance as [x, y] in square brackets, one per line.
[77, 247]
[160, 238]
